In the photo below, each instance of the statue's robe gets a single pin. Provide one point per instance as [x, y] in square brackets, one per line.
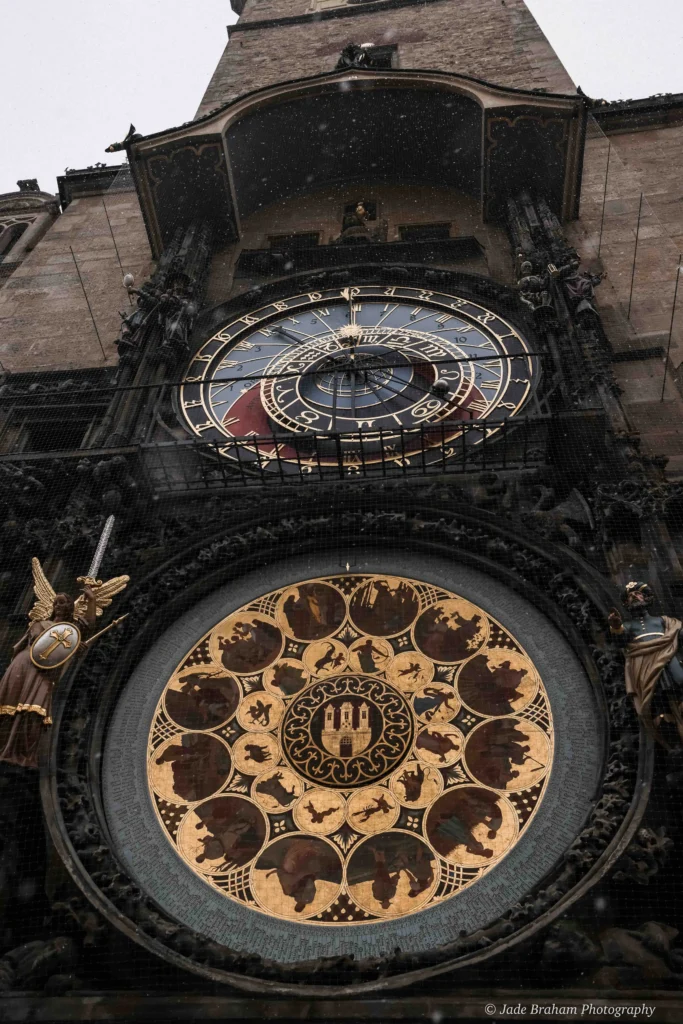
[646, 662]
[26, 701]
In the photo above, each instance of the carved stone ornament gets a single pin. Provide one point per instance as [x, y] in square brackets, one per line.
[354, 56]
[561, 586]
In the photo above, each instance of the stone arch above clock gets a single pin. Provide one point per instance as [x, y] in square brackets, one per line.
[482, 139]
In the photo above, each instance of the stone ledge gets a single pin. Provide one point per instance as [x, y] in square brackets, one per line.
[335, 12]
[460, 1005]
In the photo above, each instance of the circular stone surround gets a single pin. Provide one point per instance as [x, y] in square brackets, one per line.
[210, 768]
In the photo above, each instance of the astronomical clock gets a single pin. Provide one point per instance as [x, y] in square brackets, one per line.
[318, 761]
[354, 737]
[385, 373]
[376, 745]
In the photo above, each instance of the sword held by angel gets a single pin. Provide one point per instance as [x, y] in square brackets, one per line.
[57, 623]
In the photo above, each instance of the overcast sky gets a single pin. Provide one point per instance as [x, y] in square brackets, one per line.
[74, 74]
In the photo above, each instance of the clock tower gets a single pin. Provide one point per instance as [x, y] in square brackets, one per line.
[378, 431]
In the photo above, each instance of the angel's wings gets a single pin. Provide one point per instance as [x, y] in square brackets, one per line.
[103, 595]
[45, 595]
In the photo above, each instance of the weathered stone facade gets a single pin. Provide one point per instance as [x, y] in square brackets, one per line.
[482, 38]
[45, 323]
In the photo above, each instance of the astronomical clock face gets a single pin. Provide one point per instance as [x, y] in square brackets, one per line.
[391, 373]
[350, 749]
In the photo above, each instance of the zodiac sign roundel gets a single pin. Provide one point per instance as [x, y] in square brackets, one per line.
[350, 749]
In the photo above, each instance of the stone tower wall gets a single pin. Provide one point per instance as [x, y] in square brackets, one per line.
[275, 42]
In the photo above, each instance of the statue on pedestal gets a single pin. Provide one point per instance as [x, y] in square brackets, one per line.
[534, 290]
[57, 623]
[355, 225]
[579, 289]
[654, 672]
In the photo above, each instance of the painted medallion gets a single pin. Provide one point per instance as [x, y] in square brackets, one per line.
[350, 749]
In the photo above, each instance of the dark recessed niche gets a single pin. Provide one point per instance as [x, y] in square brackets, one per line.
[423, 232]
[302, 240]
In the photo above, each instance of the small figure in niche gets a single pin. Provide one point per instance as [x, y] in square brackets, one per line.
[534, 291]
[354, 223]
[580, 290]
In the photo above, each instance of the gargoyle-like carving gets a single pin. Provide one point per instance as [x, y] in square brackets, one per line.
[645, 855]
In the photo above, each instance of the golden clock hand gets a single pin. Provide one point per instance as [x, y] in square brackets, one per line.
[350, 294]
[335, 387]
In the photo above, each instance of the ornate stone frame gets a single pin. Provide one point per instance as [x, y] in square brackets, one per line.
[572, 594]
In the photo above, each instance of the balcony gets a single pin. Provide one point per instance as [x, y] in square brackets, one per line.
[194, 467]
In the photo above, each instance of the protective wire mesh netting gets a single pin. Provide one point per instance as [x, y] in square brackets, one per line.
[59, 480]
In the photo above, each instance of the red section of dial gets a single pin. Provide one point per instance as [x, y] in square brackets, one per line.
[252, 419]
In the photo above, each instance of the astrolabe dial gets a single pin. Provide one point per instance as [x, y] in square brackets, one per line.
[350, 749]
[386, 372]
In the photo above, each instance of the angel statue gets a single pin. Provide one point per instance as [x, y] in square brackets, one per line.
[56, 624]
[654, 672]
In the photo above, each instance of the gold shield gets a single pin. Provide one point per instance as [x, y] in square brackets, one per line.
[55, 645]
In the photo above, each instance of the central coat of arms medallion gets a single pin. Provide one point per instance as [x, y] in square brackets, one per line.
[347, 731]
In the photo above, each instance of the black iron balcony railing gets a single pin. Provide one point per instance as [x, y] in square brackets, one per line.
[195, 466]
[429, 450]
